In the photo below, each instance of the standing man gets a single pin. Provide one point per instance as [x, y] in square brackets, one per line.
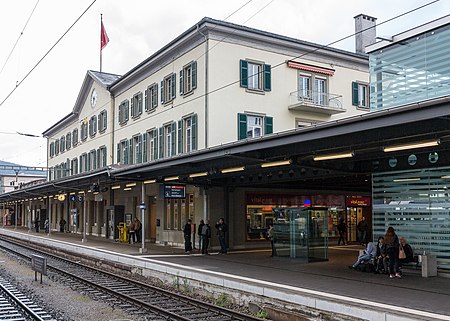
[137, 230]
[342, 230]
[362, 230]
[187, 237]
[221, 230]
[200, 235]
[206, 235]
[62, 225]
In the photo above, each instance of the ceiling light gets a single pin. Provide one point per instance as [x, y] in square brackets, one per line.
[127, 189]
[232, 169]
[173, 178]
[150, 181]
[115, 187]
[72, 193]
[130, 185]
[333, 156]
[407, 179]
[411, 146]
[198, 174]
[278, 163]
[81, 192]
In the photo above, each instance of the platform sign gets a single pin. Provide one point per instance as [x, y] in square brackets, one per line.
[174, 191]
[38, 265]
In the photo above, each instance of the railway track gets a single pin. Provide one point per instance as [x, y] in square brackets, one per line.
[137, 298]
[14, 305]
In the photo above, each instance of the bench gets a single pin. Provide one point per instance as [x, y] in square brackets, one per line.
[426, 263]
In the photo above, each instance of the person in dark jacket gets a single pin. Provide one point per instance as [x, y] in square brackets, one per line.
[221, 230]
[381, 259]
[392, 244]
[362, 228]
[200, 235]
[187, 237]
[342, 230]
[206, 235]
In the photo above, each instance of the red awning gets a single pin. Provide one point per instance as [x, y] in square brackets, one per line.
[306, 67]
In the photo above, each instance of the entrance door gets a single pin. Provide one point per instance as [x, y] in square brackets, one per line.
[354, 216]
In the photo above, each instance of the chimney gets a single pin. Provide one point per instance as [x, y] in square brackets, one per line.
[365, 32]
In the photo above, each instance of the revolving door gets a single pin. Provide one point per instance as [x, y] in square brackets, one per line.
[301, 233]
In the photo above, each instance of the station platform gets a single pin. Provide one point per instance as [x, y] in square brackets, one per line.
[330, 286]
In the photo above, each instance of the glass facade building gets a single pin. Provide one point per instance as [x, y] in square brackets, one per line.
[411, 69]
[416, 203]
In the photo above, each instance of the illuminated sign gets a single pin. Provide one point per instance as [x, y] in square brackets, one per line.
[174, 191]
[358, 201]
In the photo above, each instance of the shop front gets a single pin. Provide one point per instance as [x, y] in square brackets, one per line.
[359, 208]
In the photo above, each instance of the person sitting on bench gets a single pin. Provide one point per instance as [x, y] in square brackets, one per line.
[368, 254]
[409, 253]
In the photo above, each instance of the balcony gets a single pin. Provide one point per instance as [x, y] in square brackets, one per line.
[315, 102]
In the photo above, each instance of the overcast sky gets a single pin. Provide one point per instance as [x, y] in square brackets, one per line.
[136, 29]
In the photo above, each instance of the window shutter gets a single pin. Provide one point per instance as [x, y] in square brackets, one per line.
[181, 82]
[94, 120]
[155, 92]
[131, 151]
[133, 112]
[161, 142]
[174, 86]
[146, 99]
[194, 74]
[88, 161]
[118, 153]
[180, 137]
[268, 125]
[194, 131]
[100, 123]
[355, 93]
[144, 147]
[98, 158]
[105, 120]
[163, 98]
[267, 78]
[127, 110]
[242, 126]
[244, 73]
[155, 145]
[125, 152]
[173, 135]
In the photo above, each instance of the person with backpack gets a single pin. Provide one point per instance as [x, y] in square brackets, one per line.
[222, 229]
[206, 235]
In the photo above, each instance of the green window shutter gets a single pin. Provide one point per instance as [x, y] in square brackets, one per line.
[194, 74]
[155, 146]
[268, 125]
[155, 92]
[242, 126]
[144, 148]
[133, 112]
[355, 93]
[267, 78]
[194, 132]
[125, 152]
[118, 153]
[146, 100]
[98, 158]
[127, 110]
[81, 165]
[161, 143]
[131, 151]
[88, 161]
[139, 109]
[105, 119]
[163, 98]
[181, 82]
[244, 73]
[139, 149]
[174, 86]
[180, 137]
[173, 135]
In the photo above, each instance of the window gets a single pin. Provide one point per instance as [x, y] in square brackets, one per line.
[188, 78]
[187, 134]
[92, 160]
[62, 144]
[68, 140]
[153, 144]
[57, 147]
[102, 121]
[137, 147]
[168, 91]
[101, 157]
[92, 126]
[151, 97]
[122, 152]
[360, 95]
[313, 88]
[167, 140]
[123, 112]
[255, 76]
[83, 163]
[252, 126]
[75, 137]
[136, 105]
[74, 166]
[52, 149]
[301, 123]
[84, 130]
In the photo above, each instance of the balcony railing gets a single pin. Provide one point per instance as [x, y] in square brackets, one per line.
[316, 102]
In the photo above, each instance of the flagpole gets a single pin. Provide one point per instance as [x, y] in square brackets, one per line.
[101, 24]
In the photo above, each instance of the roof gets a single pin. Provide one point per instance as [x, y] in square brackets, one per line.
[9, 169]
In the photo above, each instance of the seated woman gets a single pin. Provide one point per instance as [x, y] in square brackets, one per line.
[368, 254]
[409, 253]
[381, 258]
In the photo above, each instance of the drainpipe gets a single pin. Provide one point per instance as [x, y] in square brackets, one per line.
[112, 149]
[206, 85]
